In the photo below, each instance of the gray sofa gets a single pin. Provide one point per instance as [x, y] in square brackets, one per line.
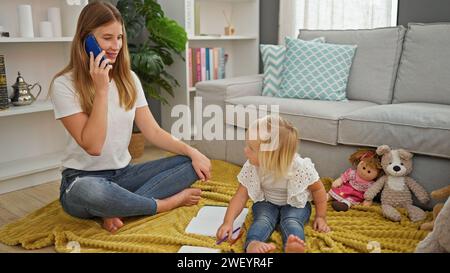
[399, 95]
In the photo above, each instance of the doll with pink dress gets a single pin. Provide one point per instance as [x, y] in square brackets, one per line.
[349, 188]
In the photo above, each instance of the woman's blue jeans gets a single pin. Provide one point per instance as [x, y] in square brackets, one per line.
[267, 215]
[130, 191]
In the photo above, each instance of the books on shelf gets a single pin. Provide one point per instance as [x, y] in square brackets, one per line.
[206, 64]
[4, 101]
[210, 218]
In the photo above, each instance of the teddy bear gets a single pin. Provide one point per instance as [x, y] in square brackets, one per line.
[350, 187]
[438, 240]
[437, 195]
[396, 186]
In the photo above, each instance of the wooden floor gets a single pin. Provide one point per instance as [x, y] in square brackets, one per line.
[17, 204]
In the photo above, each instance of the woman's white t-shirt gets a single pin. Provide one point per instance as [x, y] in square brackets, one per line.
[115, 153]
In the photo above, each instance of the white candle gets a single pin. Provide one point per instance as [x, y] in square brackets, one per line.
[46, 29]
[25, 21]
[54, 16]
[70, 13]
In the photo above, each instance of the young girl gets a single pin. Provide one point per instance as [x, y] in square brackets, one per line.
[281, 184]
[97, 102]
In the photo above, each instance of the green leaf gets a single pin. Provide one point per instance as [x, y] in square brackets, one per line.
[134, 23]
[170, 78]
[168, 33]
[151, 63]
[152, 92]
[149, 9]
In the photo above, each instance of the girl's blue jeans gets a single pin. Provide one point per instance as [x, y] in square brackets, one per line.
[130, 191]
[267, 215]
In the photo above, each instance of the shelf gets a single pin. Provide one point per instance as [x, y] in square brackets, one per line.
[38, 106]
[220, 38]
[35, 40]
[27, 166]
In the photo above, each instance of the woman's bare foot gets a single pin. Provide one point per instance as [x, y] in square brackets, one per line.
[260, 247]
[112, 224]
[187, 197]
[294, 245]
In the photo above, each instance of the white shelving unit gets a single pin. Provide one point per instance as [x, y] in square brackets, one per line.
[35, 40]
[242, 48]
[38, 106]
[31, 140]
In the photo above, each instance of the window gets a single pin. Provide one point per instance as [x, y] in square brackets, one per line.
[335, 14]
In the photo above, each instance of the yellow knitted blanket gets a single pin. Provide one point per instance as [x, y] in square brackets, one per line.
[361, 229]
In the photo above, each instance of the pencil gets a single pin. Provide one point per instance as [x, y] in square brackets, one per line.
[225, 238]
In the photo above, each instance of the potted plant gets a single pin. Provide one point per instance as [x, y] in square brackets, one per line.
[153, 41]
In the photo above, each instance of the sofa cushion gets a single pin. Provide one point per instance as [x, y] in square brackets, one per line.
[419, 127]
[374, 68]
[316, 120]
[317, 71]
[424, 72]
[273, 60]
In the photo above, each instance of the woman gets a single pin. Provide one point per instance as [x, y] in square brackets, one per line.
[97, 102]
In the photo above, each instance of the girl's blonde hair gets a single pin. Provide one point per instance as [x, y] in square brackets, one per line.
[282, 137]
[92, 16]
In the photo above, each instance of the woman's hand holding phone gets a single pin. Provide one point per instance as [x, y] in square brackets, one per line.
[99, 72]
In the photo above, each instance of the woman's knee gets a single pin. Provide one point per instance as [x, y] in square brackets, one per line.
[184, 158]
[189, 171]
[180, 159]
[86, 190]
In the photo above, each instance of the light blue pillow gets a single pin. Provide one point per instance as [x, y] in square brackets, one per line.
[273, 58]
[316, 71]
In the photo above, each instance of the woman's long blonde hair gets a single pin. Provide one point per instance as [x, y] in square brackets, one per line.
[92, 16]
[282, 136]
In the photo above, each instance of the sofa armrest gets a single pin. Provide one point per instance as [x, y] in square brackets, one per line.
[217, 91]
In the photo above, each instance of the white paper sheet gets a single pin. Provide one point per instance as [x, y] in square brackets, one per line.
[210, 218]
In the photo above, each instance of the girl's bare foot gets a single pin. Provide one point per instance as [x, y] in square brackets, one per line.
[112, 224]
[187, 197]
[294, 245]
[260, 247]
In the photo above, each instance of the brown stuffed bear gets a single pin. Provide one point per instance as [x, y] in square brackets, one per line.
[437, 195]
[396, 185]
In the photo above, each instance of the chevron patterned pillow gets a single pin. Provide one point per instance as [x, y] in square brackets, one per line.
[273, 60]
[317, 71]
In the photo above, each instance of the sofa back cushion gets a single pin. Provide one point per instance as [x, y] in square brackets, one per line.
[424, 72]
[372, 75]
[273, 61]
[317, 71]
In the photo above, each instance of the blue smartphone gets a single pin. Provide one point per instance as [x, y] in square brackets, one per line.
[91, 45]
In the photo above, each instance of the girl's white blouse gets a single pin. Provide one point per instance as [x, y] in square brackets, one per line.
[301, 175]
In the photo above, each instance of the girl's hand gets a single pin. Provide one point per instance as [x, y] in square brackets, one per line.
[367, 203]
[201, 164]
[224, 230]
[99, 72]
[320, 225]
